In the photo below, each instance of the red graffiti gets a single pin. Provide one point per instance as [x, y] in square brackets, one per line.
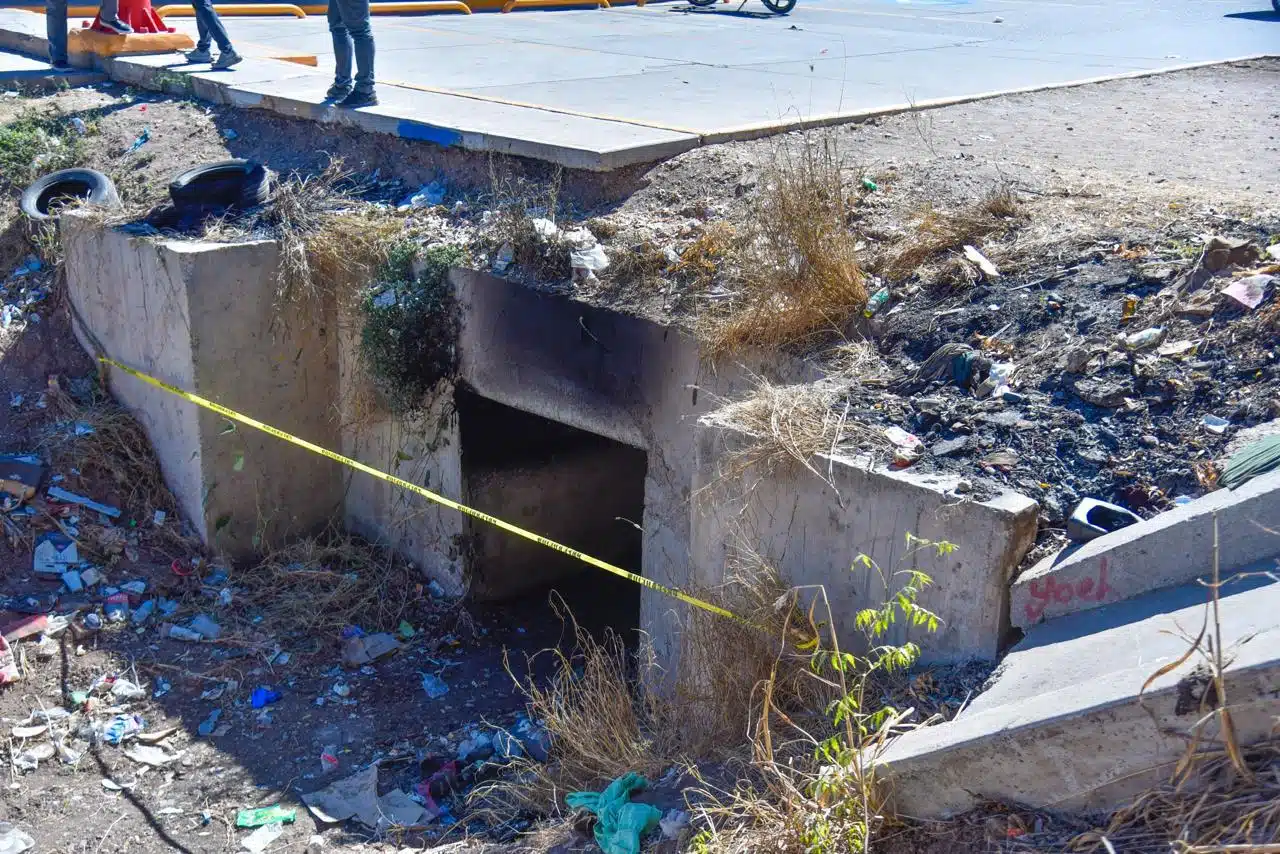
[1046, 590]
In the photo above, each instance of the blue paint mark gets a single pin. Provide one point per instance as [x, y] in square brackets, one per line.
[409, 129]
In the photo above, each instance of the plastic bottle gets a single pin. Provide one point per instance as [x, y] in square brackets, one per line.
[877, 302]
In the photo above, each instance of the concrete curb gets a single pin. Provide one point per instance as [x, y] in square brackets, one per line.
[289, 89]
[1088, 742]
[1170, 549]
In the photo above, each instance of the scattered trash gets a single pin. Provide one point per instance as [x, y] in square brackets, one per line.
[1249, 291]
[585, 251]
[155, 757]
[544, 228]
[1215, 424]
[434, 686]
[1130, 307]
[209, 724]
[1255, 458]
[183, 634]
[1093, 518]
[123, 689]
[274, 814]
[876, 302]
[405, 630]
[620, 823]
[59, 494]
[261, 839]
[673, 823]
[143, 611]
[357, 797]
[341, 689]
[329, 759]
[475, 748]
[90, 576]
[869, 185]
[71, 578]
[141, 140]
[365, 649]
[55, 553]
[1177, 348]
[13, 840]
[506, 255]
[427, 196]
[205, 626]
[158, 518]
[229, 134]
[984, 263]
[122, 727]
[31, 731]
[116, 607]
[162, 687]
[1145, 339]
[534, 737]
[262, 697]
[907, 447]
[435, 588]
[30, 759]
[157, 736]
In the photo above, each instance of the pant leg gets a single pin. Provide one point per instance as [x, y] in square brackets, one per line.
[109, 10]
[356, 17]
[342, 49]
[55, 19]
[210, 25]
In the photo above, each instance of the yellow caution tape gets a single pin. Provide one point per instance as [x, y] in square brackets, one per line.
[418, 490]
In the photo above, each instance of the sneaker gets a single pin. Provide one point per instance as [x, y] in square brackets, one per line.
[359, 99]
[226, 59]
[117, 26]
[199, 55]
[337, 92]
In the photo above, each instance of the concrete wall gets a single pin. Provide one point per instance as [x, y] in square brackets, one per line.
[1166, 550]
[1064, 726]
[201, 316]
[813, 533]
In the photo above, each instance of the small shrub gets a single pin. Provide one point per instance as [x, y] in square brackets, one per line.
[34, 144]
[409, 340]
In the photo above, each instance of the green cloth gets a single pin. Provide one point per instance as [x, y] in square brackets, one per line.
[1250, 461]
[620, 824]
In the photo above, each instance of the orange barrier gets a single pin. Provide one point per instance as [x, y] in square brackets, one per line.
[234, 9]
[512, 5]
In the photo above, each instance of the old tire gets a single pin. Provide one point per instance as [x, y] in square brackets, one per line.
[227, 184]
[702, 2]
[779, 7]
[68, 185]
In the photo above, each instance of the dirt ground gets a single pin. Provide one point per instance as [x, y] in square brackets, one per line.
[1153, 162]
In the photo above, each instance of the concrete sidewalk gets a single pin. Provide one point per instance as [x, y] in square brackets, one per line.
[598, 89]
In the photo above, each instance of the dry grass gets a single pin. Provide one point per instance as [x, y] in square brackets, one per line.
[114, 455]
[798, 276]
[792, 424]
[609, 711]
[1234, 812]
[940, 232]
[322, 584]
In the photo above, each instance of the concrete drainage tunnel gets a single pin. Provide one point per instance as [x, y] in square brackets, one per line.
[578, 488]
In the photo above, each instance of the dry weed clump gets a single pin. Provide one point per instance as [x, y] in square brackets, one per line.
[792, 424]
[319, 585]
[110, 450]
[939, 232]
[797, 275]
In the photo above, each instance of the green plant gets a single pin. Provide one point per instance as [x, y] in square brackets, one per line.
[408, 342]
[35, 143]
[827, 802]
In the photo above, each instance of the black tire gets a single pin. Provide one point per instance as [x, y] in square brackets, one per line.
[1275, 4]
[228, 184]
[782, 7]
[713, 2]
[65, 186]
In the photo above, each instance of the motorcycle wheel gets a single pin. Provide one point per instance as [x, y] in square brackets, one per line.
[713, 2]
[782, 7]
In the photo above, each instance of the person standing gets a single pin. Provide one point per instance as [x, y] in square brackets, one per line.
[55, 20]
[209, 28]
[352, 35]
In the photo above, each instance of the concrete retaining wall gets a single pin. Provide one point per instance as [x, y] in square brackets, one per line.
[813, 532]
[1063, 726]
[201, 316]
[1166, 550]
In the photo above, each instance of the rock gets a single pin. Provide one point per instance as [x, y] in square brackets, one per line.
[1223, 252]
[1076, 360]
[1104, 393]
[950, 446]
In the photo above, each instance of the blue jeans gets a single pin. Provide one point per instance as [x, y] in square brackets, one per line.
[349, 24]
[55, 20]
[209, 27]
